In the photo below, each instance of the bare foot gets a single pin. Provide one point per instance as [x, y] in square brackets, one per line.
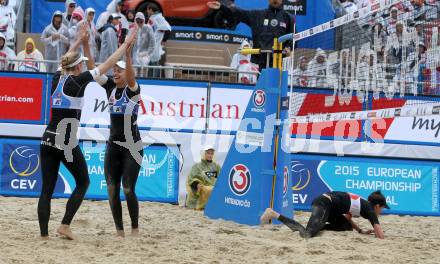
[64, 230]
[267, 216]
[135, 232]
[120, 233]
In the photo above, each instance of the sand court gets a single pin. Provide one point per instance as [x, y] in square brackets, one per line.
[171, 234]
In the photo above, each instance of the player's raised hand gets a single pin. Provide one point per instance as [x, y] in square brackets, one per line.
[214, 5]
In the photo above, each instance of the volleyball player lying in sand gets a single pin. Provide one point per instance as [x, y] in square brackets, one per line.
[334, 211]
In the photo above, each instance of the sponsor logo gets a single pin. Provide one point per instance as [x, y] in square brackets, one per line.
[311, 31]
[352, 115]
[226, 38]
[301, 176]
[198, 35]
[259, 98]
[24, 161]
[397, 112]
[436, 110]
[332, 24]
[239, 179]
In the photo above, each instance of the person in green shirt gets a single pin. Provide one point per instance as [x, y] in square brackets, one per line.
[201, 180]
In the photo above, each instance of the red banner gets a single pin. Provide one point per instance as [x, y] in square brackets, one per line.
[21, 99]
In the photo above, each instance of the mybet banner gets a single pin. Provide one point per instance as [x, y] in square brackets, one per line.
[410, 187]
[20, 168]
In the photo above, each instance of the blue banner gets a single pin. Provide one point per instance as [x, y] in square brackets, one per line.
[244, 187]
[21, 172]
[410, 187]
[42, 11]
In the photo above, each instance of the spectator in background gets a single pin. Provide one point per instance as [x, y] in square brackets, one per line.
[131, 14]
[115, 6]
[93, 34]
[28, 58]
[419, 10]
[161, 29]
[7, 20]
[12, 3]
[419, 27]
[6, 55]
[55, 39]
[432, 9]
[77, 17]
[266, 24]
[301, 75]
[67, 15]
[235, 62]
[242, 63]
[349, 6]
[109, 38]
[318, 70]
[144, 45]
[392, 20]
[378, 35]
[417, 66]
[397, 48]
[201, 179]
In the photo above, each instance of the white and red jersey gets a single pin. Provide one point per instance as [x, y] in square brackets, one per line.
[6, 54]
[7, 21]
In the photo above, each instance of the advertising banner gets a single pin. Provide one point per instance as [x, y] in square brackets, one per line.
[422, 129]
[168, 105]
[21, 172]
[22, 98]
[410, 187]
[303, 104]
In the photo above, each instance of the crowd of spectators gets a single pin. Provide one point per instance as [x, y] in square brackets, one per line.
[110, 30]
[394, 50]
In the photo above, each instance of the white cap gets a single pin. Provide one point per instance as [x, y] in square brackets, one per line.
[208, 147]
[90, 10]
[139, 15]
[121, 64]
[394, 9]
[116, 15]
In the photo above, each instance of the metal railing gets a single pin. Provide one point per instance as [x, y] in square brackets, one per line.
[192, 73]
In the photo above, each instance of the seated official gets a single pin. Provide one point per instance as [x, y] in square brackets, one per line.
[201, 180]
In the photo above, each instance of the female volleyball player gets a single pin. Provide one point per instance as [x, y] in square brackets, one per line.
[59, 142]
[122, 158]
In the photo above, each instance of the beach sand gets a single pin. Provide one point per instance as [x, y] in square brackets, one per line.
[171, 234]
